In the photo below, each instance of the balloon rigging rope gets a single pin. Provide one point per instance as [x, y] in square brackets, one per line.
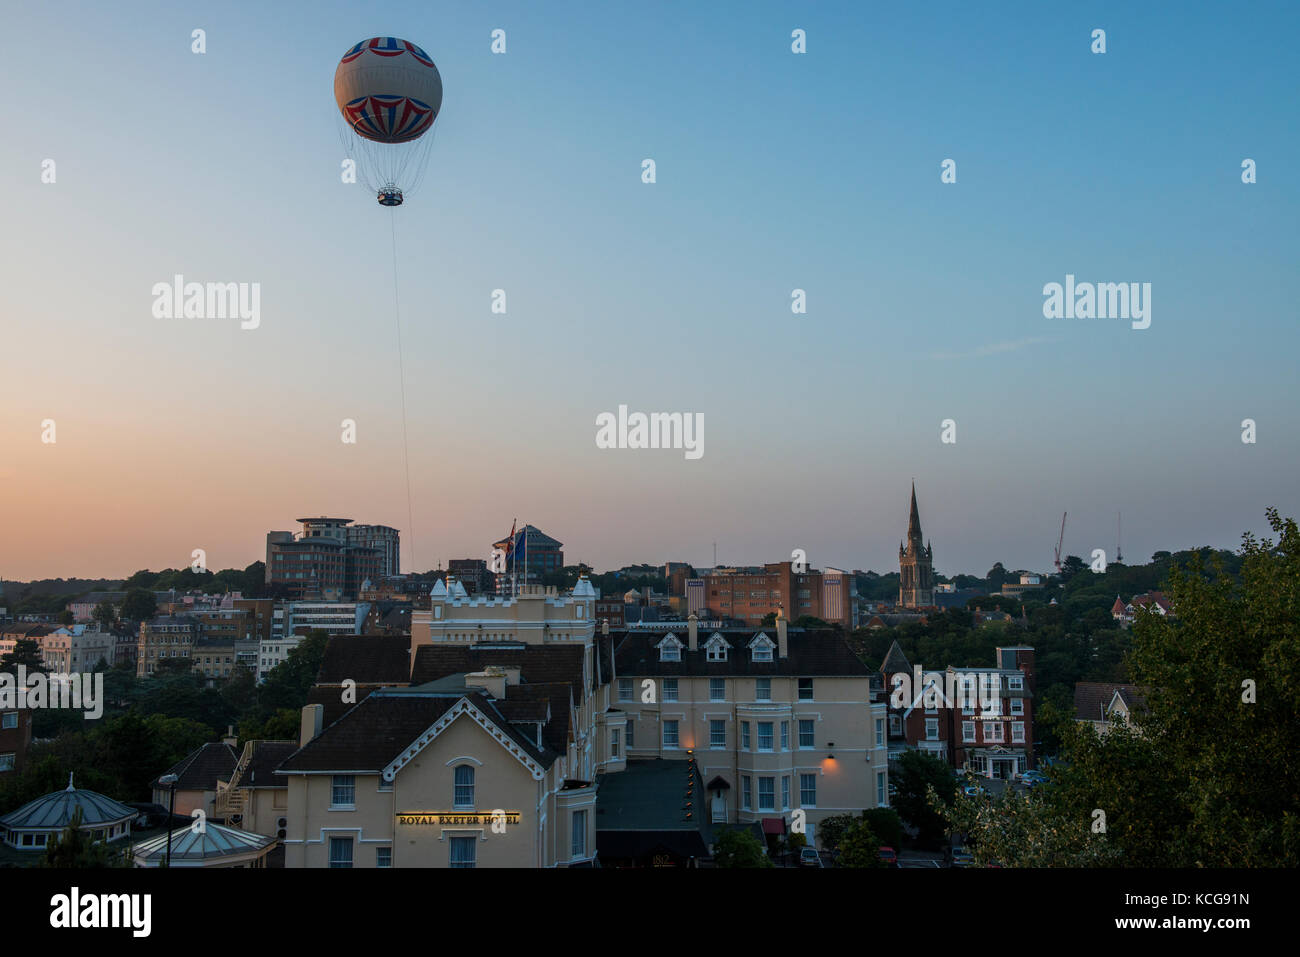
[401, 378]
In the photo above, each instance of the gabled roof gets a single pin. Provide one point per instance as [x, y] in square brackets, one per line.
[1092, 699]
[895, 661]
[384, 726]
[201, 769]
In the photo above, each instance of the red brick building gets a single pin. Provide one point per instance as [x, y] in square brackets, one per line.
[15, 736]
[750, 594]
[987, 730]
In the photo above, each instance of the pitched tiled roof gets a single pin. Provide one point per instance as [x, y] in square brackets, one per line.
[371, 735]
[1092, 698]
[200, 770]
[366, 659]
[331, 700]
[523, 701]
[811, 654]
[537, 664]
[267, 756]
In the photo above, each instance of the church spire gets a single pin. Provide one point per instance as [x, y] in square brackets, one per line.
[916, 570]
[914, 520]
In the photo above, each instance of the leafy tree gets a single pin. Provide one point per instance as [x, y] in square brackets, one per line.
[66, 617]
[998, 576]
[859, 846]
[239, 689]
[918, 773]
[886, 825]
[138, 605]
[1206, 776]
[811, 621]
[27, 653]
[1072, 566]
[75, 848]
[1026, 830]
[736, 847]
[172, 666]
[832, 829]
[288, 683]
[283, 725]
[105, 615]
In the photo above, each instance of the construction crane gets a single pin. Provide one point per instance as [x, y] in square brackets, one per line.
[1059, 542]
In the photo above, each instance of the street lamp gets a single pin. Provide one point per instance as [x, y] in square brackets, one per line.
[169, 781]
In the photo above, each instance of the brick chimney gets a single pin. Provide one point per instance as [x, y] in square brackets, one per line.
[313, 717]
[782, 642]
[693, 632]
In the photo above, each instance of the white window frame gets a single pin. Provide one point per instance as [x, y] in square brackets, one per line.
[805, 789]
[336, 784]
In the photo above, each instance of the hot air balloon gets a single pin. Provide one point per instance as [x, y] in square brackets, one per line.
[388, 93]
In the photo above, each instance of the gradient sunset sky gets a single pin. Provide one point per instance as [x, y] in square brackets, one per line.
[775, 171]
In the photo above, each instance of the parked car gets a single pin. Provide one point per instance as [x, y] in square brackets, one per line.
[889, 856]
[958, 856]
[1033, 778]
[808, 857]
[973, 790]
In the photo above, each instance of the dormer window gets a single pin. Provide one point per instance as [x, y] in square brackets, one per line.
[717, 647]
[761, 648]
[670, 649]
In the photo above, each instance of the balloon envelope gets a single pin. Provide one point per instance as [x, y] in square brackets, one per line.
[388, 93]
[388, 90]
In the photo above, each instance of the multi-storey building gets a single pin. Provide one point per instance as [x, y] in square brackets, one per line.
[223, 624]
[216, 658]
[751, 594]
[84, 606]
[488, 758]
[15, 738]
[75, 648]
[778, 720]
[474, 574]
[331, 617]
[536, 613]
[322, 562]
[498, 741]
[527, 559]
[170, 636]
[975, 718]
[916, 564]
[383, 539]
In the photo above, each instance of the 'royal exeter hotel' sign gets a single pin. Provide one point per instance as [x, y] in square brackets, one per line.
[457, 818]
